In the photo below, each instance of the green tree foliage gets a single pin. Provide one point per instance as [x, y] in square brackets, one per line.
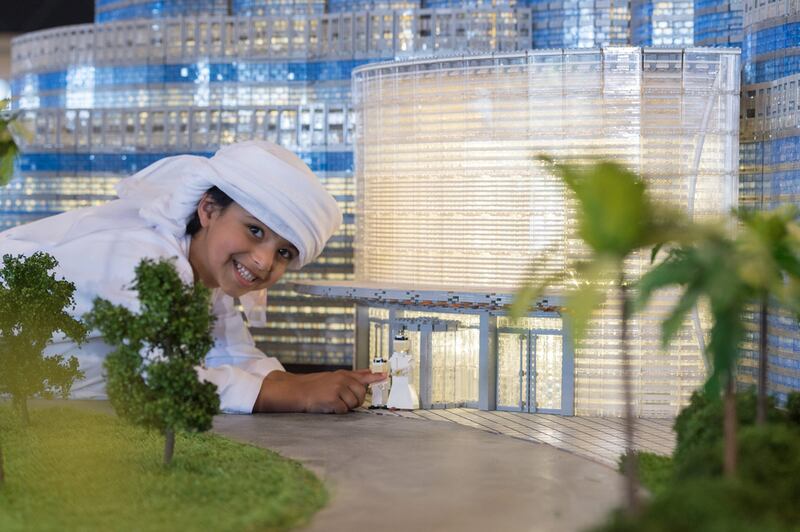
[769, 245]
[8, 146]
[32, 309]
[616, 218]
[708, 268]
[763, 261]
[151, 379]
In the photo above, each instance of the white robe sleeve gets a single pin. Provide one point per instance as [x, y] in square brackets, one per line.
[235, 364]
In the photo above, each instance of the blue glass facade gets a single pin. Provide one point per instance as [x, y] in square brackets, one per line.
[580, 23]
[662, 23]
[770, 161]
[119, 10]
[718, 22]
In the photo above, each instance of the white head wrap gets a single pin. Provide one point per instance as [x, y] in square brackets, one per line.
[268, 181]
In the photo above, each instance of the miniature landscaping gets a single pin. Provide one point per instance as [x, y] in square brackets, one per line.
[690, 490]
[72, 469]
[737, 461]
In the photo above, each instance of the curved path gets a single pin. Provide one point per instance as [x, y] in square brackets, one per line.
[396, 474]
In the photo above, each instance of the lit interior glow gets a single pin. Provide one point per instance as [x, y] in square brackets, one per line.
[449, 192]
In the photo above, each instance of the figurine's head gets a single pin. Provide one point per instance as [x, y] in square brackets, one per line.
[401, 343]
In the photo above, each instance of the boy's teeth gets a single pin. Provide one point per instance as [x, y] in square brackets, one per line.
[245, 272]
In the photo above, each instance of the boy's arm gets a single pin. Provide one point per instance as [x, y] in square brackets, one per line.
[325, 392]
[249, 381]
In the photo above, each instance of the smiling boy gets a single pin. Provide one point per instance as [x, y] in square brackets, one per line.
[235, 223]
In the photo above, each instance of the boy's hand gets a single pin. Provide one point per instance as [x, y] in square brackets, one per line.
[324, 392]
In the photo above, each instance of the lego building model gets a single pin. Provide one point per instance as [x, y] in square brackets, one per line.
[454, 211]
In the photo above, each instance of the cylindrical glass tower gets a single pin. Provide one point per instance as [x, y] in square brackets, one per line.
[450, 194]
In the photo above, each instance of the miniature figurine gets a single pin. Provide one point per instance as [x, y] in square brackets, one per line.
[380, 390]
[402, 395]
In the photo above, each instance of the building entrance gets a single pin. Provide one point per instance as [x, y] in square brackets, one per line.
[530, 371]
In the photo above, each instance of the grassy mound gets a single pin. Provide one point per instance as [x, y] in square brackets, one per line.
[78, 470]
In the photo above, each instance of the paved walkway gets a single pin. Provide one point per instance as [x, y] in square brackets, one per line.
[598, 439]
[432, 471]
[397, 473]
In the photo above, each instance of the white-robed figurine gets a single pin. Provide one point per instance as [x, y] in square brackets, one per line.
[402, 395]
[380, 390]
[234, 222]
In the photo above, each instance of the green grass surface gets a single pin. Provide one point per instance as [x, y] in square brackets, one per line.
[78, 470]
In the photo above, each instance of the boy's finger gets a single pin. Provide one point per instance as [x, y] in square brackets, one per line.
[358, 389]
[349, 398]
[369, 378]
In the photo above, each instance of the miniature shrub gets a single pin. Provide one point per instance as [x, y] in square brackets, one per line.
[655, 470]
[710, 505]
[699, 426]
[763, 496]
[769, 467]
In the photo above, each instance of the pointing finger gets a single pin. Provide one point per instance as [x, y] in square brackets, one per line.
[369, 378]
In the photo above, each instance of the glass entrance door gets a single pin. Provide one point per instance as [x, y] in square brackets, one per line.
[529, 370]
[512, 367]
[544, 384]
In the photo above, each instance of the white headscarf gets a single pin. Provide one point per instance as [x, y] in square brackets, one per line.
[268, 181]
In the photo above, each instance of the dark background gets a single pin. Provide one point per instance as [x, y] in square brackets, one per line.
[20, 16]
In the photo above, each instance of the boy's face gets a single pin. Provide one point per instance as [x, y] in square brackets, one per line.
[236, 252]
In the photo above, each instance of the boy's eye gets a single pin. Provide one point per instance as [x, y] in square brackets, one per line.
[286, 254]
[255, 231]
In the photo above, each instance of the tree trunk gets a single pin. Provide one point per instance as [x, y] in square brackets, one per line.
[729, 428]
[761, 401]
[631, 465]
[169, 445]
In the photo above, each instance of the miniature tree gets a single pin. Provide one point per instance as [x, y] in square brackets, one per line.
[708, 269]
[616, 218]
[32, 308]
[769, 245]
[151, 377]
[763, 261]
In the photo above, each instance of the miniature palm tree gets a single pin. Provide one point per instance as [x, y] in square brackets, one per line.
[151, 377]
[769, 245]
[616, 218]
[708, 269]
[32, 308]
[8, 146]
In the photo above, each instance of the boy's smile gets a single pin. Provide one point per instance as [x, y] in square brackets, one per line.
[236, 252]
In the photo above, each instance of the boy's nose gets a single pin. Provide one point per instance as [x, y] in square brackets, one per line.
[262, 257]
